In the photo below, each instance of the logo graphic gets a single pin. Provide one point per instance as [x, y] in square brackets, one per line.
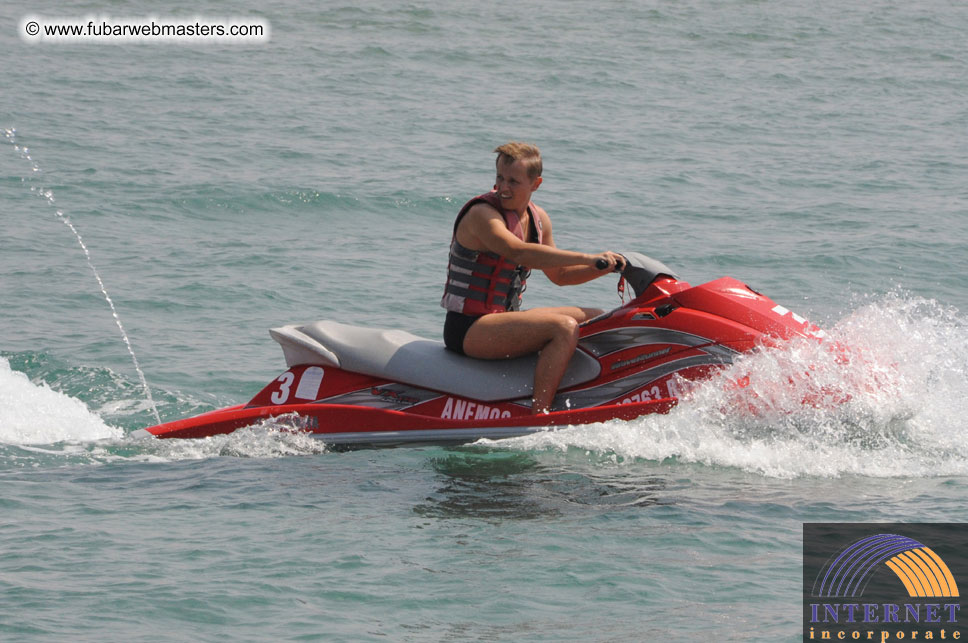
[883, 581]
[922, 571]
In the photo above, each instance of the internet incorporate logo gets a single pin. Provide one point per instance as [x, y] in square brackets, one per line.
[885, 584]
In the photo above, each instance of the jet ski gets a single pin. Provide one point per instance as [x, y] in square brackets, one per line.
[350, 385]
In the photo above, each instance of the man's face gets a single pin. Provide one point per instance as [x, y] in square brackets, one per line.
[514, 188]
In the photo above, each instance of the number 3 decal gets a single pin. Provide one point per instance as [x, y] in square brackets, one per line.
[285, 380]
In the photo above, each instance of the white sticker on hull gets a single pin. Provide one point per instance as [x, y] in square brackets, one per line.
[308, 388]
[285, 384]
[465, 410]
[647, 395]
[808, 328]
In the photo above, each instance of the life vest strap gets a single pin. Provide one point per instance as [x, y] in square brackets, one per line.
[478, 295]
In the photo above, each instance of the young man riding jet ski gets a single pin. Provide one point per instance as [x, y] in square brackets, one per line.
[371, 386]
[498, 238]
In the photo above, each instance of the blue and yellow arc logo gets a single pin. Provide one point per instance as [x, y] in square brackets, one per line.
[922, 571]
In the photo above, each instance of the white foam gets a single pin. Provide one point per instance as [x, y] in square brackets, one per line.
[271, 438]
[36, 414]
[48, 195]
[906, 409]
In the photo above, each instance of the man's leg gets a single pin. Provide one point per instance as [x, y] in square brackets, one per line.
[552, 331]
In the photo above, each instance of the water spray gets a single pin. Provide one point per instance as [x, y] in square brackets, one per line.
[11, 136]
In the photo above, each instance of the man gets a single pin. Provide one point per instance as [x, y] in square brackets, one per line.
[498, 238]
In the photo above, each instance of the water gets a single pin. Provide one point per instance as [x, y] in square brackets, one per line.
[35, 171]
[814, 150]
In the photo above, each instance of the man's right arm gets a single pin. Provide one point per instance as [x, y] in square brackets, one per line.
[483, 229]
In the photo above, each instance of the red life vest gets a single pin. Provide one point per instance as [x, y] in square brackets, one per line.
[481, 282]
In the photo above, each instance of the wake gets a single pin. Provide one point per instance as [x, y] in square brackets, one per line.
[894, 405]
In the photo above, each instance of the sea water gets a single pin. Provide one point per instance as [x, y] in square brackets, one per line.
[816, 151]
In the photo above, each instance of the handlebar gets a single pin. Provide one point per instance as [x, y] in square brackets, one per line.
[639, 270]
[601, 264]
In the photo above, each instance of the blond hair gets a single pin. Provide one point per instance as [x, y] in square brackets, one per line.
[524, 152]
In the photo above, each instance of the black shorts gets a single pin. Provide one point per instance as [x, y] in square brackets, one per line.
[455, 330]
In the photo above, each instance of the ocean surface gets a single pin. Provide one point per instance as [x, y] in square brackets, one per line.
[816, 150]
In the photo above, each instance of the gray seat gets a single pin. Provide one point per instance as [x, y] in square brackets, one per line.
[399, 356]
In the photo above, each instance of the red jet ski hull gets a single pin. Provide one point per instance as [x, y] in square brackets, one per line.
[348, 385]
[346, 424]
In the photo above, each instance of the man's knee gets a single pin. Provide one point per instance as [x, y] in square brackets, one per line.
[566, 328]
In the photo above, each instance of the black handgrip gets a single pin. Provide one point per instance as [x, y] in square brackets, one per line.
[602, 264]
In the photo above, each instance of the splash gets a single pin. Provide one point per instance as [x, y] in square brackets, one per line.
[36, 414]
[11, 136]
[43, 427]
[892, 404]
[59, 415]
[272, 438]
[267, 440]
